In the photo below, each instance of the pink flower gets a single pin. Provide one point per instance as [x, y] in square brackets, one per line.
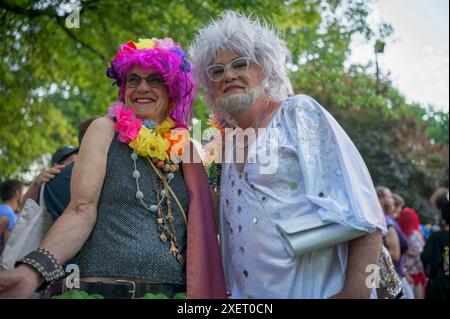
[125, 49]
[166, 43]
[127, 125]
[112, 111]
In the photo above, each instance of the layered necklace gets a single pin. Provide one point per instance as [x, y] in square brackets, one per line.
[154, 143]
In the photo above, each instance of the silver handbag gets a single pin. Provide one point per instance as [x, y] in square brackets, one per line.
[308, 233]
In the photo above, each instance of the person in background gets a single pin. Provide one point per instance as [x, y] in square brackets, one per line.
[11, 195]
[60, 159]
[396, 241]
[4, 221]
[399, 203]
[435, 253]
[57, 190]
[410, 224]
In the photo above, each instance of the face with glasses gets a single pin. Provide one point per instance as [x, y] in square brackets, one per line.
[233, 78]
[146, 94]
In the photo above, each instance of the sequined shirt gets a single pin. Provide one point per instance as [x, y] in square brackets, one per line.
[256, 262]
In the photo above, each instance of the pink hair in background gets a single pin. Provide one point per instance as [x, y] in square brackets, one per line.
[409, 221]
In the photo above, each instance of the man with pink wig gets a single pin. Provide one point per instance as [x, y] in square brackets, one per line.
[141, 216]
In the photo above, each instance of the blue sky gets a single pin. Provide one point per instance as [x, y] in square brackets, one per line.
[417, 55]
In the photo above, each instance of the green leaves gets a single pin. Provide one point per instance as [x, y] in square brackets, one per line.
[379, 46]
[77, 294]
[53, 77]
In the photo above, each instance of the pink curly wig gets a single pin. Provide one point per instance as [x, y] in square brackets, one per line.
[167, 59]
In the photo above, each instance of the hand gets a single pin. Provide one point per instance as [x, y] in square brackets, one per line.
[49, 174]
[20, 282]
[408, 277]
[44, 177]
[412, 253]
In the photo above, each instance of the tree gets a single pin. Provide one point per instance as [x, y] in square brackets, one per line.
[53, 76]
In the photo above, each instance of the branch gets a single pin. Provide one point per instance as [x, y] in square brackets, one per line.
[50, 12]
[31, 13]
[71, 35]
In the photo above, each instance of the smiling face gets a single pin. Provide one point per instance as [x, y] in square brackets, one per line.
[149, 100]
[236, 90]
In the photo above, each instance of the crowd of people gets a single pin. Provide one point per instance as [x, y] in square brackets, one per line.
[420, 256]
[133, 207]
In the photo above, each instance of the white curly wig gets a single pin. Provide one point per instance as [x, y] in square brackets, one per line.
[241, 35]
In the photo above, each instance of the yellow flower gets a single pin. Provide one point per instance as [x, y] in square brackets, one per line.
[165, 126]
[146, 44]
[150, 144]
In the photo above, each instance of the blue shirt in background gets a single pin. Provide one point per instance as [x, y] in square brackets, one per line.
[6, 210]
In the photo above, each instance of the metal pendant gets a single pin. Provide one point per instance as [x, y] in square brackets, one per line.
[173, 249]
[163, 238]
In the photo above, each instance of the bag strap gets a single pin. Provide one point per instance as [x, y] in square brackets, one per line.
[169, 188]
[41, 197]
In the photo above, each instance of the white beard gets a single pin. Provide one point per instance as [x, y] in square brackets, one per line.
[238, 102]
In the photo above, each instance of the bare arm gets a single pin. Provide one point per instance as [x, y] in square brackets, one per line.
[411, 253]
[392, 243]
[72, 229]
[362, 252]
[4, 221]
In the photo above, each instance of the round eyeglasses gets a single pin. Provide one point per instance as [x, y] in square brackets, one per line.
[216, 72]
[153, 81]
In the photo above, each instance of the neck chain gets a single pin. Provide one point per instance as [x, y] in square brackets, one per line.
[165, 222]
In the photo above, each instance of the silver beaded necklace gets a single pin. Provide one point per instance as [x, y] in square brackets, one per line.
[139, 195]
[166, 228]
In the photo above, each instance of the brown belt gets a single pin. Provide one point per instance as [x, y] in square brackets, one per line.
[122, 289]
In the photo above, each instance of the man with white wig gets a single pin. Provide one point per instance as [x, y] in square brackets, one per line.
[320, 191]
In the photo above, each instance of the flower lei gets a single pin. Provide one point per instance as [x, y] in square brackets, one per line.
[146, 138]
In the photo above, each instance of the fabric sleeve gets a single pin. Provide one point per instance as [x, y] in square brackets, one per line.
[204, 271]
[336, 177]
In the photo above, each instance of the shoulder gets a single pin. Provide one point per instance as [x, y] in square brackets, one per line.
[100, 131]
[416, 235]
[102, 124]
[5, 210]
[301, 102]
[300, 108]
[61, 178]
